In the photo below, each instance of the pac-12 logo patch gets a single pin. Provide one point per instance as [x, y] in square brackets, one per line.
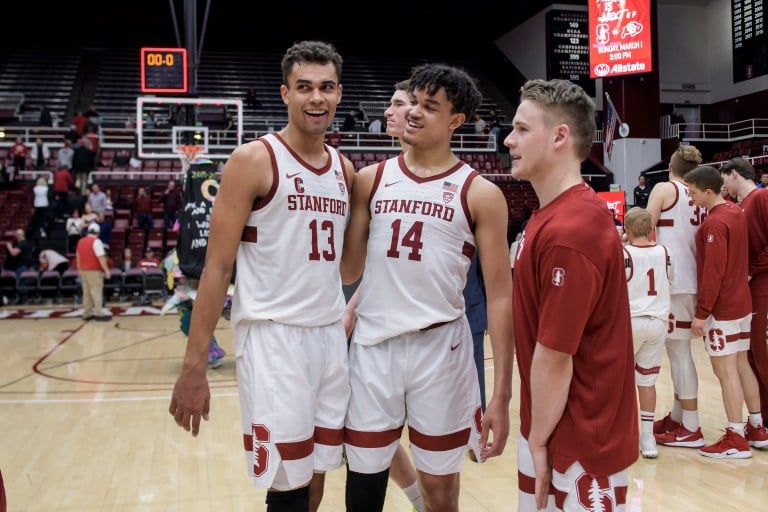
[558, 276]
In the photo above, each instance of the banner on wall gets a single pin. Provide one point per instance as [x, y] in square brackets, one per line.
[616, 202]
[620, 37]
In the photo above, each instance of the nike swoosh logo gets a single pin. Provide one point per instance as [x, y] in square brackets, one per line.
[392, 183]
[454, 347]
[290, 176]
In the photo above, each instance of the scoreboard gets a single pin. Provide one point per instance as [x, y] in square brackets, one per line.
[164, 70]
[750, 44]
[568, 47]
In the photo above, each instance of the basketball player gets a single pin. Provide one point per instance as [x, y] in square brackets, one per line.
[724, 307]
[281, 209]
[739, 179]
[648, 269]
[676, 219]
[573, 335]
[416, 221]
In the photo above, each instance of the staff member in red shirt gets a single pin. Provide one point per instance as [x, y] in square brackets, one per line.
[93, 268]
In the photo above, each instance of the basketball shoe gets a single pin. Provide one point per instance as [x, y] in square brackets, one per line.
[648, 447]
[730, 446]
[664, 425]
[756, 436]
[681, 437]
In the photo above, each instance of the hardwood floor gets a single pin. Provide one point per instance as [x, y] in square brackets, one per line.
[85, 427]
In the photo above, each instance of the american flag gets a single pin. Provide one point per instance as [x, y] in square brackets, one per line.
[611, 122]
[451, 187]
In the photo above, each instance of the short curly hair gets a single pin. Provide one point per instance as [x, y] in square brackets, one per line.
[460, 88]
[315, 52]
[685, 159]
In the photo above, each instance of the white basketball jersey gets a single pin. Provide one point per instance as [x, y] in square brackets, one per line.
[420, 245]
[648, 284]
[676, 230]
[290, 250]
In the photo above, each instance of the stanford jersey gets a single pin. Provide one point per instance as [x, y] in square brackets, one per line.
[722, 262]
[419, 249]
[647, 269]
[570, 295]
[755, 206]
[676, 230]
[290, 250]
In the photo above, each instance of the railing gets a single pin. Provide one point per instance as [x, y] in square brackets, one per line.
[715, 132]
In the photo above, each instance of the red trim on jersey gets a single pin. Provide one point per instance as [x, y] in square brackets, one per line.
[665, 223]
[316, 170]
[438, 443]
[647, 371]
[261, 202]
[468, 250]
[376, 181]
[249, 234]
[372, 439]
[677, 197]
[329, 436]
[418, 179]
[343, 168]
[464, 202]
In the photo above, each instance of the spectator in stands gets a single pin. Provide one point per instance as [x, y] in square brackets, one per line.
[105, 229]
[763, 180]
[171, 204]
[65, 155]
[41, 204]
[494, 125]
[40, 154]
[52, 260]
[80, 122]
[252, 98]
[72, 135]
[62, 184]
[110, 204]
[334, 138]
[375, 126]
[122, 158]
[350, 121]
[93, 268]
[143, 209]
[82, 163]
[480, 124]
[20, 258]
[19, 152]
[45, 118]
[88, 215]
[150, 123]
[642, 192]
[97, 199]
[127, 262]
[149, 260]
[74, 228]
[94, 120]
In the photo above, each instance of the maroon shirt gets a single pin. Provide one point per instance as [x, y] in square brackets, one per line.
[570, 295]
[755, 206]
[722, 264]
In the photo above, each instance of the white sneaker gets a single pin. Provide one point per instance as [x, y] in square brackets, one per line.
[648, 445]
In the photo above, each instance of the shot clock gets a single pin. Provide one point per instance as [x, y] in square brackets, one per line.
[164, 70]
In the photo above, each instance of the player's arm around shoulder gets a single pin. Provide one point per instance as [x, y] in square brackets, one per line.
[356, 234]
[490, 214]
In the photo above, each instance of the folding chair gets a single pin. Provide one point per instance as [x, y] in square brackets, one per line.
[70, 285]
[133, 282]
[113, 287]
[27, 285]
[8, 284]
[154, 285]
[49, 285]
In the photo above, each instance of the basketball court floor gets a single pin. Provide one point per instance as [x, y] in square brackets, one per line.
[85, 428]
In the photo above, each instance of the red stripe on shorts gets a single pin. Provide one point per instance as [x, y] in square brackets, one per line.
[288, 451]
[372, 439]
[527, 484]
[439, 443]
[665, 222]
[648, 371]
[329, 436]
[682, 325]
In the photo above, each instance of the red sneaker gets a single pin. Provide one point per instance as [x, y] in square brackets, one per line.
[681, 437]
[730, 446]
[756, 436]
[664, 425]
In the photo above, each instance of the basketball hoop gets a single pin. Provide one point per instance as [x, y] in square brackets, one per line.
[187, 154]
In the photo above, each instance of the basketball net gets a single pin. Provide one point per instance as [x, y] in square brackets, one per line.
[187, 154]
